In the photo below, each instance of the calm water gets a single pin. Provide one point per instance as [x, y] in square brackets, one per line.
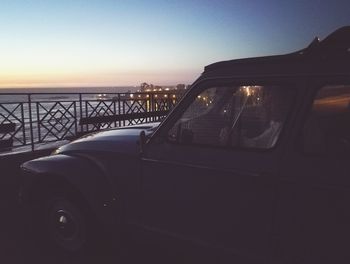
[58, 93]
[11, 109]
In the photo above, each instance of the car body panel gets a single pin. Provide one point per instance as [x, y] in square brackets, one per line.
[275, 205]
[95, 155]
[122, 140]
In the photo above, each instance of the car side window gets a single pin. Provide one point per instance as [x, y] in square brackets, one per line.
[327, 127]
[234, 116]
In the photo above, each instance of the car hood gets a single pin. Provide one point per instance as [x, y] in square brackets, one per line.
[122, 140]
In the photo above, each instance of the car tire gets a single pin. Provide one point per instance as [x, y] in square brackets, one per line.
[64, 226]
[67, 225]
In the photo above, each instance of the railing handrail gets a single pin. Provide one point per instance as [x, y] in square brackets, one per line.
[44, 93]
[42, 120]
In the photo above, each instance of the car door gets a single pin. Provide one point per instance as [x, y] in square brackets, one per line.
[208, 174]
[313, 210]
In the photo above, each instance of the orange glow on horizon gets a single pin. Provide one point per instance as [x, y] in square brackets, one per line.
[91, 79]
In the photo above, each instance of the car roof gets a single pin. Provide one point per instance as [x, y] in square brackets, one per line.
[328, 57]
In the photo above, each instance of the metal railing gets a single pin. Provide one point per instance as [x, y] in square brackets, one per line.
[34, 119]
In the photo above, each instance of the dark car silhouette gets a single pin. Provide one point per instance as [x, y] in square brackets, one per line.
[252, 164]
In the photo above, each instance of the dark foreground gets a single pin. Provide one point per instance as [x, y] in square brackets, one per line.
[16, 245]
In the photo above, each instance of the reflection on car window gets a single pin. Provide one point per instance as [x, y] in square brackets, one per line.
[236, 116]
[327, 128]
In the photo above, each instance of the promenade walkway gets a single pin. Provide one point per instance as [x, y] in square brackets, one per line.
[13, 246]
[17, 248]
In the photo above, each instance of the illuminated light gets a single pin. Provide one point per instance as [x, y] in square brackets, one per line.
[101, 96]
[160, 89]
[210, 102]
[199, 97]
[251, 90]
[207, 104]
[167, 89]
[165, 95]
[139, 96]
[225, 110]
[147, 95]
[246, 90]
[154, 90]
[148, 90]
[131, 96]
[155, 96]
[174, 95]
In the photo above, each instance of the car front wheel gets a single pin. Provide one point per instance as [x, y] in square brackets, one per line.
[67, 225]
[63, 225]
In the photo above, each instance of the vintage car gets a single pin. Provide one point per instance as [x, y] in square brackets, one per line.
[253, 164]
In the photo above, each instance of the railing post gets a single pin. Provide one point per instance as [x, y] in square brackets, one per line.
[38, 121]
[31, 121]
[152, 104]
[124, 111]
[119, 110]
[81, 111]
[23, 124]
[76, 119]
[114, 110]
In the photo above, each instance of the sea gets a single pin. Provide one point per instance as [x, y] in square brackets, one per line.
[8, 95]
[12, 101]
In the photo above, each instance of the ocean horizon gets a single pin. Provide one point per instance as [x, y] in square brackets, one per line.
[97, 89]
[55, 112]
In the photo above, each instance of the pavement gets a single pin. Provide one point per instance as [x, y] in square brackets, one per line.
[17, 247]
[12, 242]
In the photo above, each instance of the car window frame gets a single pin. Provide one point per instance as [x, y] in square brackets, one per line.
[161, 134]
[317, 83]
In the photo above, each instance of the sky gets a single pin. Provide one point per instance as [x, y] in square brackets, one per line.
[77, 43]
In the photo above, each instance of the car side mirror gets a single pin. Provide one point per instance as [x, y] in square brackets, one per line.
[186, 136]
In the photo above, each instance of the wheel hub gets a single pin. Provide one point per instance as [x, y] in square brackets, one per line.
[66, 225]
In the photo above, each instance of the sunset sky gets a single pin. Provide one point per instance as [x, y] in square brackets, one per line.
[67, 43]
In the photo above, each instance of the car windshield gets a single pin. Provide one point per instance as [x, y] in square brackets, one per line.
[241, 116]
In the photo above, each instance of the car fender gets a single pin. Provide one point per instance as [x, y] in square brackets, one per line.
[82, 173]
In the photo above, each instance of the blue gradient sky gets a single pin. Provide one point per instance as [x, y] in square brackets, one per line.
[113, 43]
